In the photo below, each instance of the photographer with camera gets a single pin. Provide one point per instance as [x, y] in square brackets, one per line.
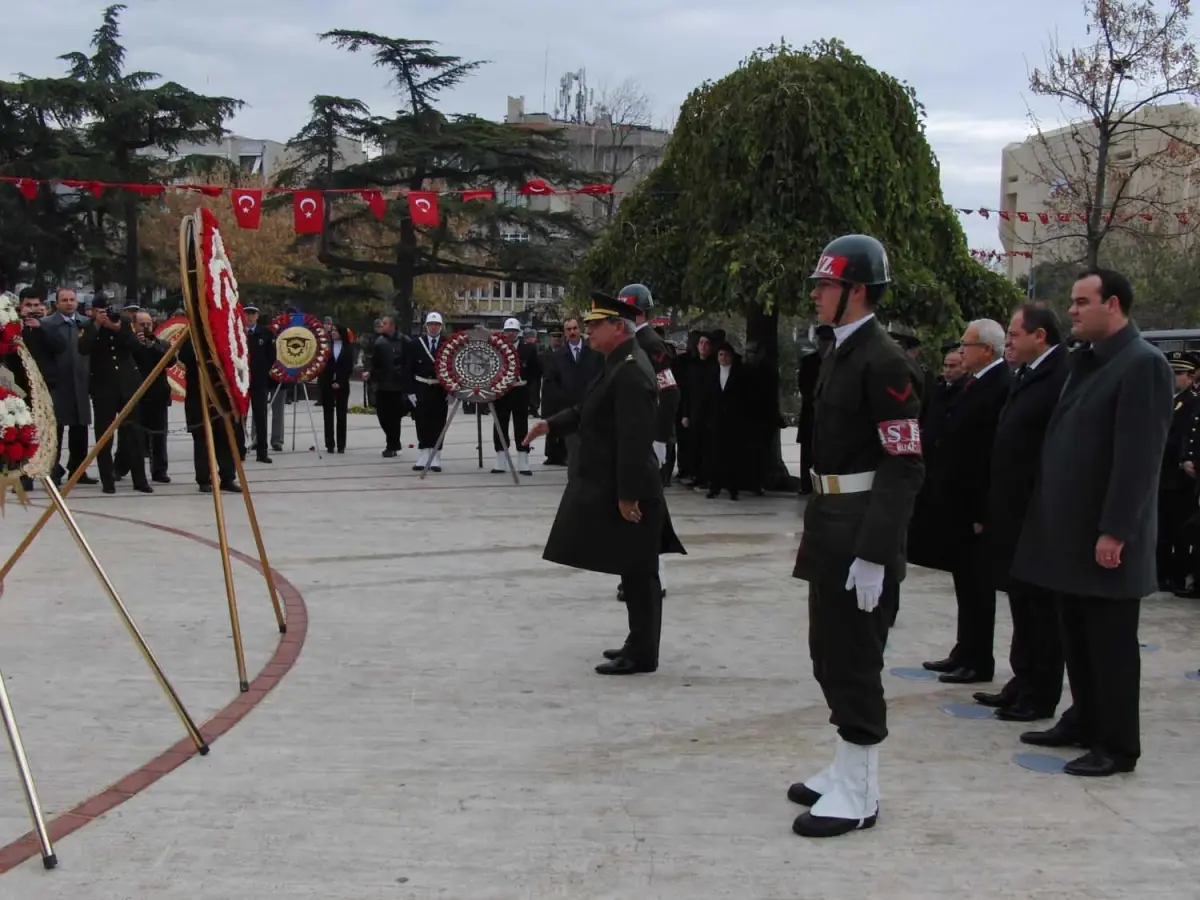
[155, 406]
[114, 378]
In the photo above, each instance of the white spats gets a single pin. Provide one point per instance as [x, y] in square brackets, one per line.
[499, 465]
[436, 463]
[422, 460]
[523, 462]
[850, 796]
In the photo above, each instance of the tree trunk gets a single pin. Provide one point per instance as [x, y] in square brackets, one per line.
[763, 329]
[131, 251]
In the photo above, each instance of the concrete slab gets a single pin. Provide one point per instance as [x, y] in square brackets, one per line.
[443, 735]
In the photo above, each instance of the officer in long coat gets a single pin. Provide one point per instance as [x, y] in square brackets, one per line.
[115, 378]
[612, 517]
[867, 470]
[1176, 488]
[260, 340]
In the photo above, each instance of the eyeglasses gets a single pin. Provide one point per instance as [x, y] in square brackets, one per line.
[962, 345]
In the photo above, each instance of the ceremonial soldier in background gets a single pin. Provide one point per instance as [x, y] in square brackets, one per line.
[115, 378]
[612, 517]
[514, 406]
[1190, 459]
[430, 413]
[154, 408]
[867, 470]
[194, 413]
[1176, 486]
[661, 355]
[261, 341]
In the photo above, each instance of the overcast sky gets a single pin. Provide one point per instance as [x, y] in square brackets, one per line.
[967, 60]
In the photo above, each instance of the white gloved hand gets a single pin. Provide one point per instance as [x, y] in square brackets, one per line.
[412, 399]
[866, 579]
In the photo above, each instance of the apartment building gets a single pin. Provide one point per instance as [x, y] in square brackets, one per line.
[618, 153]
[258, 156]
[1042, 177]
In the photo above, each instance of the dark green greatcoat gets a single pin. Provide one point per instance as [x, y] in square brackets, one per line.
[615, 461]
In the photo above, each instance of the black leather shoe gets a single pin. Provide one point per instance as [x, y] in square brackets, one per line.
[623, 665]
[615, 654]
[803, 795]
[964, 676]
[143, 488]
[230, 487]
[1058, 736]
[941, 665]
[87, 479]
[808, 825]
[996, 700]
[263, 459]
[109, 488]
[1022, 714]
[206, 488]
[1095, 764]
[161, 479]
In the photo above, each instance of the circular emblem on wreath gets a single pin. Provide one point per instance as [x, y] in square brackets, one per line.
[176, 374]
[302, 348]
[478, 366]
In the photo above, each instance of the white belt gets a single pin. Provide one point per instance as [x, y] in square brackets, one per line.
[424, 380]
[854, 483]
[666, 380]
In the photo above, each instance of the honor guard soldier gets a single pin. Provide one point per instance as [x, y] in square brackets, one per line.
[612, 517]
[514, 405]
[661, 357]
[867, 470]
[1191, 459]
[1176, 484]
[260, 340]
[430, 414]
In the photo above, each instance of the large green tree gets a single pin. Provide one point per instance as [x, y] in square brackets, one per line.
[423, 148]
[768, 164]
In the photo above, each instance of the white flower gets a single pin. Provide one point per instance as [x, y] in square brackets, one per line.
[24, 418]
[9, 305]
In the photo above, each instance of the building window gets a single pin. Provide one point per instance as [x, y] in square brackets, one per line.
[250, 164]
[496, 289]
[508, 290]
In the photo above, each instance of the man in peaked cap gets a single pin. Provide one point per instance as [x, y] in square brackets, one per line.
[1176, 487]
[612, 517]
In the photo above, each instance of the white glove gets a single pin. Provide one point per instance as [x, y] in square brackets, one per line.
[866, 578]
[412, 399]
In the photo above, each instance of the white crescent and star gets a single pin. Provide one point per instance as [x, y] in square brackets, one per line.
[423, 204]
[538, 189]
[308, 206]
[246, 202]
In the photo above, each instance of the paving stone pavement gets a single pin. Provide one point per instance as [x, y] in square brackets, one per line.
[443, 734]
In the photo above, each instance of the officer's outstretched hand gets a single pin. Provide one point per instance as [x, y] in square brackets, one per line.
[866, 579]
[537, 431]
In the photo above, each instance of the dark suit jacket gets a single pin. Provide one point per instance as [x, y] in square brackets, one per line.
[339, 370]
[114, 373]
[958, 462]
[1100, 468]
[1017, 455]
[572, 378]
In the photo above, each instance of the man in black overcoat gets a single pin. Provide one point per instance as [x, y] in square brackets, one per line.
[1035, 348]
[1090, 532]
[612, 517]
[260, 340]
[1176, 487]
[956, 489]
[110, 346]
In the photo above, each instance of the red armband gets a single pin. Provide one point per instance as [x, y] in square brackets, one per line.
[901, 437]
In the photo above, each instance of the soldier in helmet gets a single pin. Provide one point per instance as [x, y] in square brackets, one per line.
[514, 406]
[867, 470]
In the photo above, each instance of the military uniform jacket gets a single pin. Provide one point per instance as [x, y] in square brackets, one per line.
[261, 342]
[114, 373]
[866, 420]
[422, 361]
[661, 357]
[1172, 477]
[615, 461]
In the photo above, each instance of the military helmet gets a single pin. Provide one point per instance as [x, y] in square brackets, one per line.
[903, 335]
[854, 259]
[637, 295]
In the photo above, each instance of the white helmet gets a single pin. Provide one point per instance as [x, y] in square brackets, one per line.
[433, 317]
[512, 325]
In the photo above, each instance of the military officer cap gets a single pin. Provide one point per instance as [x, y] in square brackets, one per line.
[250, 308]
[1182, 361]
[131, 307]
[1194, 356]
[903, 335]
[556, 334]
[607, 307]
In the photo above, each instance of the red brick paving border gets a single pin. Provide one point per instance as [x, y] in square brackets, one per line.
[280, 663]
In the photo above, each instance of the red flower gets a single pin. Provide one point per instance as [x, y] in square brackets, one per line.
[10, 435]
[28, 434]
[14, 453]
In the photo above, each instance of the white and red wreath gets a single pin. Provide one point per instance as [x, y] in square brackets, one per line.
[223, 311]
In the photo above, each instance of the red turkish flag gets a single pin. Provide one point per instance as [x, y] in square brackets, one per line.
[479, 194]
[28, 188]
[375, 201]
[536, 187]
[247, 208]
[423, 207]
[308, 211]
[596, 189]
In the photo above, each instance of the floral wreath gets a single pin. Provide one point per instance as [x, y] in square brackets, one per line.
[176, 373]
[223, 312]
[21, 422]
[507, 373]
[286, 374]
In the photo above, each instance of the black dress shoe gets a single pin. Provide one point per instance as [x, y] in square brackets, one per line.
[205, 488]
[802, 794]
[964, 676]
[949, 664]
[230, 487]
[109, 488]
[1095, 764]
[1058, 736]
[615, 654]
[808, 825]
[87, 479]
[623, 665]
[996, 700]
[161, 479]
[1022, 713]
[387, 454]
[263, 459]
[143, 488]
